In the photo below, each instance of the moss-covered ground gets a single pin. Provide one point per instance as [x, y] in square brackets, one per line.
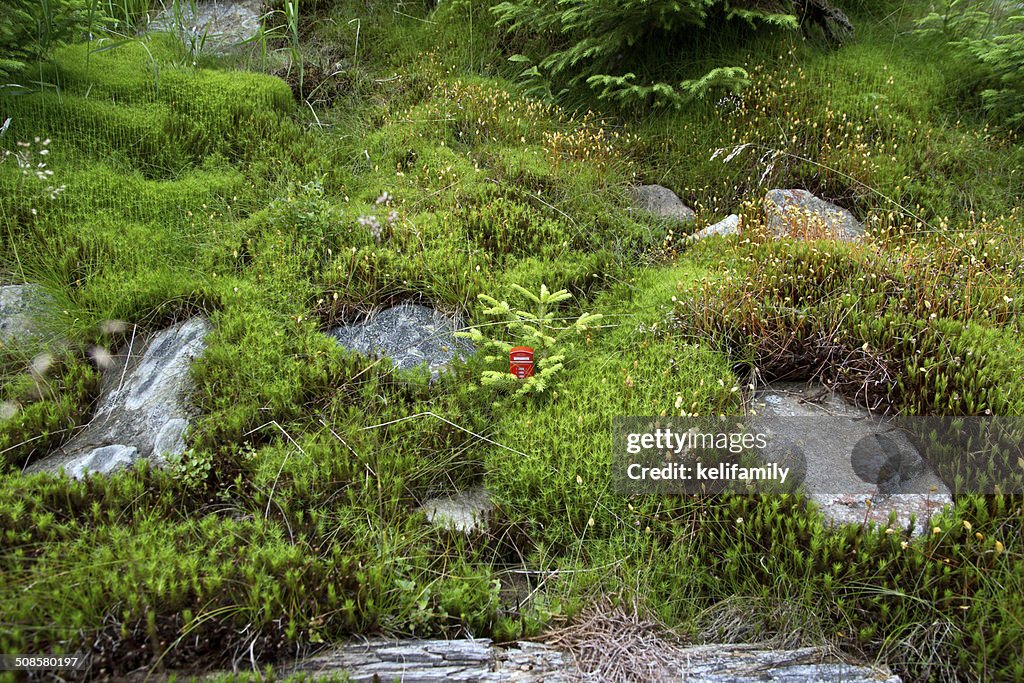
[291, 521]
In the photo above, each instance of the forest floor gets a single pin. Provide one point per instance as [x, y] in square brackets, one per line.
[385, 156]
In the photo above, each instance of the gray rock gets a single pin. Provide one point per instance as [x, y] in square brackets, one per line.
[735, 663]
[857, 466]
[436, 661]
[103, 460]
[20, 306]
[142, 412]
[466, 511]
[410, 335]
[662, 202]
[479, 660]
[730, 225]
[215, 25]
[798, 212]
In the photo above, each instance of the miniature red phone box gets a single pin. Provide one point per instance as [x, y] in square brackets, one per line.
[520, 361]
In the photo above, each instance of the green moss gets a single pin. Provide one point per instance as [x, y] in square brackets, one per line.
[46, 408]
[635, 368]
[141, 72]
[136, 101]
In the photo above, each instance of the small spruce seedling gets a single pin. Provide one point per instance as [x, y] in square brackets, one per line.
[537, 328]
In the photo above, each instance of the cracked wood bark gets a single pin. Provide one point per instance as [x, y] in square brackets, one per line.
[480, 661]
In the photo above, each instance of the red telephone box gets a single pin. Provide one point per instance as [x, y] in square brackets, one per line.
[520, 362]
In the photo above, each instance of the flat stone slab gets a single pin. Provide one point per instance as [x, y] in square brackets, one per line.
[142, 411]
[857, 467]
[481, 661]
[218, 24]
[662, 202]
[19, 308]
[410, 335]
[798, 213]
[465, 511]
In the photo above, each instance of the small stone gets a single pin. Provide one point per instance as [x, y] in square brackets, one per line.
[798, 213]
[482, 661]
[465, 511]
[730, 225]
[662, 202]
[8, 409]
[217, 25]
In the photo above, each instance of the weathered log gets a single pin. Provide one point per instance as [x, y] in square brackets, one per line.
[481, 661]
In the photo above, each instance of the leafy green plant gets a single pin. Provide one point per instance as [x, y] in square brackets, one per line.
[991, 38]
[624, 90]
[538, 328]
[585, 41]
[30, 30]
[291, 13]
[279, 34]
[193, 467]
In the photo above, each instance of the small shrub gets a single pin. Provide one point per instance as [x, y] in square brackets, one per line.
[538, 328]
